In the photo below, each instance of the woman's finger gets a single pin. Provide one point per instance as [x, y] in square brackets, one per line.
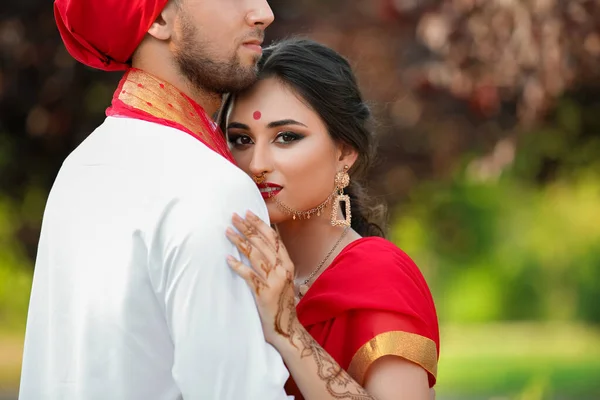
[256, 283]
[259, 262]
[268, 233]
[271, 237]
[256, 238]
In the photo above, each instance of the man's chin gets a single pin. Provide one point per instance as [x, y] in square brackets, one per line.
[250, 62]
[245, 77]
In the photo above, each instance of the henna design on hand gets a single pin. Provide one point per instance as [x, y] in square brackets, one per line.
[253, 217]
[266, 268]
[338, 382]
[279, 245]
[250, 230]
[286, 306]
[277, 241]
[246, 248]
[259, 284]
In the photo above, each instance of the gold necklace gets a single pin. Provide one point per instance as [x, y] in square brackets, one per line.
[303, 288]
[304, 214]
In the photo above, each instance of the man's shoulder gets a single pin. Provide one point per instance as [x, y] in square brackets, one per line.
[203, 209]
[167, 166]
[224, 188]
[172, 157]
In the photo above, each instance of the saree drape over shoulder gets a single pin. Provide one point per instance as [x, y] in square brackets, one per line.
[372, 302]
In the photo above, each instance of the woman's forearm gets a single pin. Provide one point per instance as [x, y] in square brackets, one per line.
[315, 372]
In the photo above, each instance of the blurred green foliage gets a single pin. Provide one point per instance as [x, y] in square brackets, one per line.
[15, 270]
[523, 245]
[508, 251]
[16, 265]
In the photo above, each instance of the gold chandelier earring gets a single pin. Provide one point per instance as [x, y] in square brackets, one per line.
[342, 180]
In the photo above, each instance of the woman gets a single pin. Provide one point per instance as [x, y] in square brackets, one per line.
[348, 311]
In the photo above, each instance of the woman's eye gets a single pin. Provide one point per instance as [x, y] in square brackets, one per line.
[288, 137]
[240, 140]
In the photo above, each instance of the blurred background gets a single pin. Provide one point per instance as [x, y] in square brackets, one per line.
[488, 118]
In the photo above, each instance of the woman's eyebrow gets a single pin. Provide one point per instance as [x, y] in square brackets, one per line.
[238, 125]
[283, 122]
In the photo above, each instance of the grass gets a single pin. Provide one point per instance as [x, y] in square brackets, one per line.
[504, 361]
[520, 361]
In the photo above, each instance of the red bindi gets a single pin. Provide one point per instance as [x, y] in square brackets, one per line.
[257, 115]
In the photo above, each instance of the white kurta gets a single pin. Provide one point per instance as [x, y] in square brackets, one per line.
[132, 298]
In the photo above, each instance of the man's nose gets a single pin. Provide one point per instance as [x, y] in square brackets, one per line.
[261, 15]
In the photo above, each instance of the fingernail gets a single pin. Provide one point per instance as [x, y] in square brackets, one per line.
[230, 260]
[229, 232]
[236, 217]
[251, 216]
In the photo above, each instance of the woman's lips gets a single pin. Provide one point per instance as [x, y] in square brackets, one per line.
[269, 190]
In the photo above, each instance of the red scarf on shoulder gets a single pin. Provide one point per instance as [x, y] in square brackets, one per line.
[371, 302]
[141, 95]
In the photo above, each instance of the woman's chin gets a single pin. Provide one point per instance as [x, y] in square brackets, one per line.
[276, 216]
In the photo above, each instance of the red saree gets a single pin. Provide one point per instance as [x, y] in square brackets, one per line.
[371, 302]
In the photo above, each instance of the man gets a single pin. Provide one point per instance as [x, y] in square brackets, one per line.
[132, 298]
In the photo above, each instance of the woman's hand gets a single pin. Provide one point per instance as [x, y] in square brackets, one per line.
[271, 277]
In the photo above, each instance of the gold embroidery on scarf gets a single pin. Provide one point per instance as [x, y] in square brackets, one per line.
[162, 100]
[410, 346]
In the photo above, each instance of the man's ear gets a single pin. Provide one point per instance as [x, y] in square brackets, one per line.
[163, 27]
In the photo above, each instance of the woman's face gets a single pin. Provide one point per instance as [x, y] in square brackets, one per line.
[272, 131]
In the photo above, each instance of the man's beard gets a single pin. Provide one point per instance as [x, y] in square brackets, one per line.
[206, 74]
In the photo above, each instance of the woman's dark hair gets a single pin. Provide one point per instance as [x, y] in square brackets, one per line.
[325, 81]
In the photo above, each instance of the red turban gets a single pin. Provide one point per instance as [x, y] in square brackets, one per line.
[104, 34]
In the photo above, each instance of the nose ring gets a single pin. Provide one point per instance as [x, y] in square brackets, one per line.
[258, 179]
